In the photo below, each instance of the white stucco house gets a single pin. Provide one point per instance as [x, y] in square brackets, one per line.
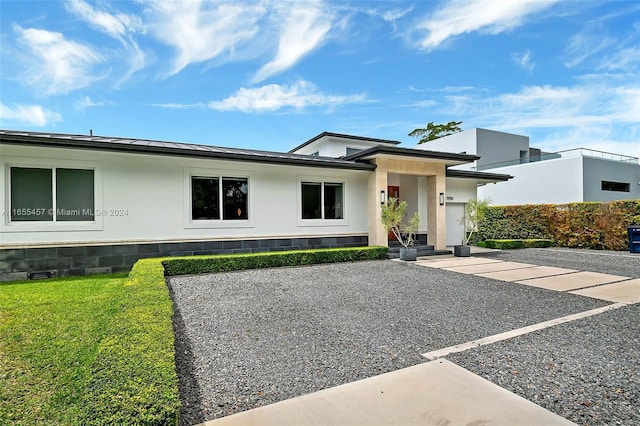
[77, 204]
[574, 175]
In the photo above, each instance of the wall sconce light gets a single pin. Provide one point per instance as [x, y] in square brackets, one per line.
[442, 198]
[383, 197]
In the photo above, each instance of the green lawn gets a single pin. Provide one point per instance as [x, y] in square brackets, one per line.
[50, 331]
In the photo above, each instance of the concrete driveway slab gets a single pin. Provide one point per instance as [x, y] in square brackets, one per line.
[457, 261]
[625, 292]
[526, 274]
[573, 281]
[488, 267]
[433, 393]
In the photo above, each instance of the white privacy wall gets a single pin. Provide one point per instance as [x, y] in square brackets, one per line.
[153, 190]
[556, 181]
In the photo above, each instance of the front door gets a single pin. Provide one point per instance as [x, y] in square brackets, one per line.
[393, 192]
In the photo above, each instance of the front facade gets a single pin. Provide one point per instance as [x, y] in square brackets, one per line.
[76, 204]
[575, 175]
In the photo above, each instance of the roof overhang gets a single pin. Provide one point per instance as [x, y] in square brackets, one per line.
[409, 154]
[153, 147]
[480, 177]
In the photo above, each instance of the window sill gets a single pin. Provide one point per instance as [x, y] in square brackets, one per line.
[50, 226]
[218, 224]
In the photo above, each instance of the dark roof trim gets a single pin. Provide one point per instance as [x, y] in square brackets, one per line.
[471, 174]
[340, 135]
[143, 146]
[410, 152]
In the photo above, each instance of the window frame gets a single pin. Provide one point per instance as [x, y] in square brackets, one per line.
[611, 184]
[52, 164]
[322, 180]
[220, 174]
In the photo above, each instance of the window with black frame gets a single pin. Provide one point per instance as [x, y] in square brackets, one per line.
[34, 192]
[219, 198]
[322, 200]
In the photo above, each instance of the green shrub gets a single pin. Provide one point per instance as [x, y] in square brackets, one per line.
[516, 244]
[235, 262]
[133, 377]
[578, 225]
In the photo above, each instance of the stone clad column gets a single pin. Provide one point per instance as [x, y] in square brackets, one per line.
[377, 183]
[436, 214]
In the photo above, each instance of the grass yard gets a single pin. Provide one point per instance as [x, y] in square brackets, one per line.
[50, 331]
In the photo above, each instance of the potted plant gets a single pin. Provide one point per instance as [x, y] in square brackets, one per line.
[473, 214]
[393, 213]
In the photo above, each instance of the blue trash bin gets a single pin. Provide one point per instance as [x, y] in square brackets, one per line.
[634, 238]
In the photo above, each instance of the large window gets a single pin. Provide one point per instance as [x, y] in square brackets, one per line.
[615, 186]
[322, 200]
[52, 195]
[219, 198]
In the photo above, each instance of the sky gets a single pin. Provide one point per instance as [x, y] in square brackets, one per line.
[270, 74]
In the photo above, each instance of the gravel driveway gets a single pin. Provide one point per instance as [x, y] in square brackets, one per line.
[251, 338]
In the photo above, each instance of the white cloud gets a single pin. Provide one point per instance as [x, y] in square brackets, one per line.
[57, 65]
[33, 115]
[586, 44]
[87, 102]
[119, 26]
[623, 60]
[395, 14]
[524, 61]
[491, 17]
[201, 31]
[273, 97]
[116, 25]
[594, 113]
[303, 29]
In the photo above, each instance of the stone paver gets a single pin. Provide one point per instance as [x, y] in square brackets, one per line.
[526, 273]
[433, 393]
[573, 281]
[488, 267]
[625, 292]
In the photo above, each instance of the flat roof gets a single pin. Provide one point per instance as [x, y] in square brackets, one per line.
[344, 136]
[450, 157]
[472, 174]
[148, 146]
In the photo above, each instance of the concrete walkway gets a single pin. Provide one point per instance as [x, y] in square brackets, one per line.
[612, 288]
[434, 393]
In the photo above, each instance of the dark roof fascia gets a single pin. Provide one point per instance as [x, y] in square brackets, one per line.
[246, 155]
[410, 152]
[340, 135]
[471, 174]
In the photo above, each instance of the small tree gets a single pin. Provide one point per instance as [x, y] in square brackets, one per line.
[393, 212]
[435, 131]
[474, 212]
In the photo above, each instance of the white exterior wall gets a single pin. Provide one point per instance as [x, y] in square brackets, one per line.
[334, 147]
[596, 170]
[458, 143]
[154, 191]
[556, 181]
[459, 192]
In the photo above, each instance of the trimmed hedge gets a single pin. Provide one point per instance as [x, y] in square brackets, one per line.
[516, 244]
[235, 262]
[133, 378]
[578, 225]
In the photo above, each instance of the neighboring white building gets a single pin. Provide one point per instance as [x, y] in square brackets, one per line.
[574, 175]
[75, 204]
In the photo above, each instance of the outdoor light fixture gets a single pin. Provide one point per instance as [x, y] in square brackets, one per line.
[442, 198]
[382, 197]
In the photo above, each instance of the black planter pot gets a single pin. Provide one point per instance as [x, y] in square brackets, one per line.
[462, 251]
[408, 253]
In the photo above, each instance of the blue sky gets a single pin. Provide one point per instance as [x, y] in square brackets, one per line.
[272, 74]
